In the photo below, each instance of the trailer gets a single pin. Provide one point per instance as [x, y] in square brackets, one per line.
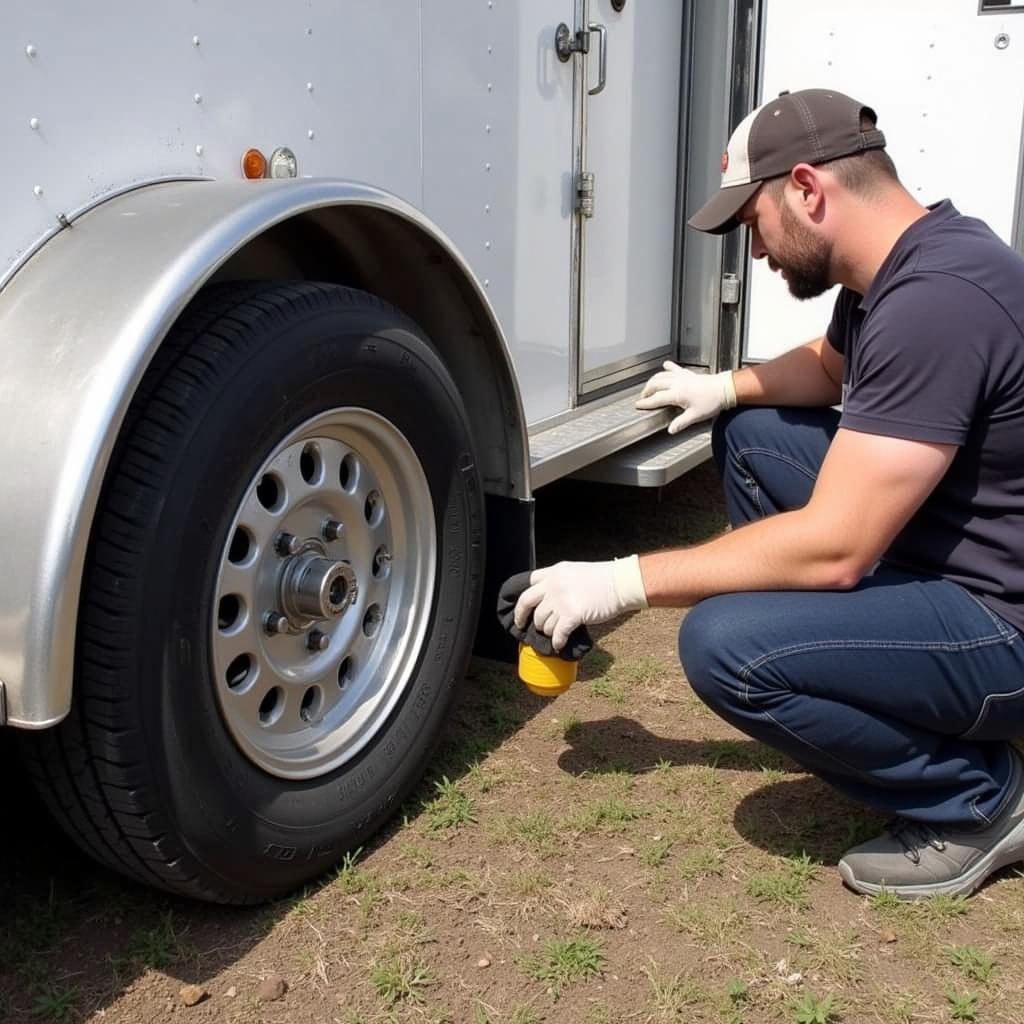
[300, 304]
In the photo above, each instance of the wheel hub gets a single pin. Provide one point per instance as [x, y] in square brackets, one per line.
[315, 588]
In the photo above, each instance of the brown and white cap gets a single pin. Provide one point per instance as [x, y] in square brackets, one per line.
[811, 126]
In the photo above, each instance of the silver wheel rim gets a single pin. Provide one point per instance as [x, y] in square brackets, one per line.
[323, 594]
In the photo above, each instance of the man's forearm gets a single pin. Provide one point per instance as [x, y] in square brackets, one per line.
[797, 377]
[788, 551]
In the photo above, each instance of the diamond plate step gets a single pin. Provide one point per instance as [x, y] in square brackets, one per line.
[653, 462]
[595, 432]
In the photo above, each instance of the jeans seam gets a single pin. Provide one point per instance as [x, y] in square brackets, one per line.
[852, 769]
[1008, 631]
[741, 453]
[868, 645]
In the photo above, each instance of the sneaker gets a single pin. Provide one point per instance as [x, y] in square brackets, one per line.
[913, 860]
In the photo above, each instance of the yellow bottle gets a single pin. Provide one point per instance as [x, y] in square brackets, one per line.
[545, 676]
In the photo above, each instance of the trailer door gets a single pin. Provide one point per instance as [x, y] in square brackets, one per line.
[629, 143]
[947, 80]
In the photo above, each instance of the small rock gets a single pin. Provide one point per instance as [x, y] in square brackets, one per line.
[231, 992]
[483, 962]
[889, 936]
[192, 994]
[271, 989]
[795, 978]
[536, 937]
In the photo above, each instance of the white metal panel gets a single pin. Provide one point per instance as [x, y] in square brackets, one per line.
[100, 95]
[632, 140]
[950, 103]
[497, 159]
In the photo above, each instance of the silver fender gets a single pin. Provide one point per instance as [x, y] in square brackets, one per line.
[79, 323]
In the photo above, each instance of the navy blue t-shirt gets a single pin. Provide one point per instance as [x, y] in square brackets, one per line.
[935, 352]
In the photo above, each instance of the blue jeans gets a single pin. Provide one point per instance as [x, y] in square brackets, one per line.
[902, 692]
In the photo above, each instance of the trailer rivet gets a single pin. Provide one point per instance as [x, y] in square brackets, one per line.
[487, 167]
[34, 124]
[195, 40]
[310, 134]
[1002, 41]
[198, 98]
[487, 207]
[490, 87]
[30, 50]
[487, 128]
[487, 245]
[37, 191]
[309, 87]
[487, 282]
[199, 150]
[309, 31]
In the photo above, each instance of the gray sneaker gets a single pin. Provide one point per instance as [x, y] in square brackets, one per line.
[913, 860]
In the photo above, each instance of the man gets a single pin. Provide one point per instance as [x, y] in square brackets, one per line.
[864, 616]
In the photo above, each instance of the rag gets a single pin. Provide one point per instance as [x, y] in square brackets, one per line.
[578, 644]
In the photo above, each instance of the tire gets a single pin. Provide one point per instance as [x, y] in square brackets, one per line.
[183, 767]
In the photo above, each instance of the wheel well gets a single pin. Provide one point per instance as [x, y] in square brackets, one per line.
[381, 252]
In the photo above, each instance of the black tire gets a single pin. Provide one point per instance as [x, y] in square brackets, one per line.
[144, 773]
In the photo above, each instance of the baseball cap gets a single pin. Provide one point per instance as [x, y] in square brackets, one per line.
[811, 126]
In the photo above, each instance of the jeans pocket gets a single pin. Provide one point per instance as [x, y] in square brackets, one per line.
[1001, 717]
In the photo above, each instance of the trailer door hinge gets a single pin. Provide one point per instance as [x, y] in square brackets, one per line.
[585, 194]
[730, 290]
[566, 43]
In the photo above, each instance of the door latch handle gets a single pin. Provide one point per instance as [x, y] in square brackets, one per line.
[602, 57]
[566, 44]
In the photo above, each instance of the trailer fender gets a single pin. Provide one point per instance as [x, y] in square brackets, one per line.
[81, 319]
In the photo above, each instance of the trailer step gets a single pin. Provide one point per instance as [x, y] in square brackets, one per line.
[594, 432]
[653, 462]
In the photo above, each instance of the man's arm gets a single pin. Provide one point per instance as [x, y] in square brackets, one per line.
[810, 375]
[868, 488]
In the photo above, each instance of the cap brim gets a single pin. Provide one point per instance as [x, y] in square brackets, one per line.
[718, 214]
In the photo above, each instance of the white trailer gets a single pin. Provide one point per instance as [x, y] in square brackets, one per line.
[298, 305]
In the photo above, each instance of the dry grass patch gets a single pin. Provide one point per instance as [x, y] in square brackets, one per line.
[598, 909]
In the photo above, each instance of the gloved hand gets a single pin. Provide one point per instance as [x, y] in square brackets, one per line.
[699, 395]
[569, 594]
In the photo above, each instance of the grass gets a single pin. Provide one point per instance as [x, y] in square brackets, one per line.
[610, 814]
[564, 962]
[396, 979]
[787, 886]
[962, 1005]
[671, 996]
[54, 1002]
[450, 809]
[608, 690]
[811, 1010]
[973, 963]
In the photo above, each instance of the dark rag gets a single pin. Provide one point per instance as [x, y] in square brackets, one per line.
[576, 646]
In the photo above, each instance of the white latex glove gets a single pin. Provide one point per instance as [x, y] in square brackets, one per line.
[699, 395]
[569, 594]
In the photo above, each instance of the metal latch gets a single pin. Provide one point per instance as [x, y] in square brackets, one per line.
[730, 290]
[566, 44]
[585, 194]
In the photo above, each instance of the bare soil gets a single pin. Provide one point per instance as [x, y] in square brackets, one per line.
[616, 854]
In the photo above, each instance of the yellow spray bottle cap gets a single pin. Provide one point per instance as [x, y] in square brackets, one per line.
[545, 676]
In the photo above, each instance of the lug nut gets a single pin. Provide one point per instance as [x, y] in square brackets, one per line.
[287, 544]
[332, 530]
[317, 641]
[274, 623]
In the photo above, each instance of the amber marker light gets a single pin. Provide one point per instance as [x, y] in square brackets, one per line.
[254, 164]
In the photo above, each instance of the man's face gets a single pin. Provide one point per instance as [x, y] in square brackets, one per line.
[802, 256]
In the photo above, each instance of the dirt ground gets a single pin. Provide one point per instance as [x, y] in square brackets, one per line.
[616, 854]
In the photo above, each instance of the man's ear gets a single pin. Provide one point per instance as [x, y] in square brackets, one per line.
[807, 183]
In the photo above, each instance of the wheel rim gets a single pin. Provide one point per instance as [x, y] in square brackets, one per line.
[323, 593]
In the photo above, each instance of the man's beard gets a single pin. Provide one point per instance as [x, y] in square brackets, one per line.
[804, 257]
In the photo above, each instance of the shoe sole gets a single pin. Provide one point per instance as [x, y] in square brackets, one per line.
[1009, 850]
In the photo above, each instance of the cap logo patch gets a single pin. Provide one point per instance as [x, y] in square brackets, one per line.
[725, 161]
